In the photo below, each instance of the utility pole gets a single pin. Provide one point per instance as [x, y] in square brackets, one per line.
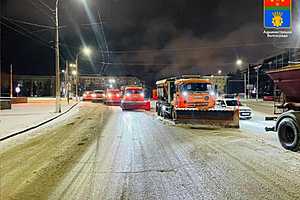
[11, 81]
[257, 72]
[77, 76]
[249, 81]
[245, 85]
[58, 106]
[67, 81]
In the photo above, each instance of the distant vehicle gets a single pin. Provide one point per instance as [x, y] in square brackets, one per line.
[113, 97]
[245, 111]
[268, 96]
[87, 96]
[98, 96]
[134, 98]
[190, 99]
[229, 96]
[154, 95]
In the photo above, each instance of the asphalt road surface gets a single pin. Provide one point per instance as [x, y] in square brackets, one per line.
[139, 157]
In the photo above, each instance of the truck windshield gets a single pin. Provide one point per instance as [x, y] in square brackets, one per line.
[113, 91]
[233, 103]
[99, 92]
[196, 87]
[134, 91]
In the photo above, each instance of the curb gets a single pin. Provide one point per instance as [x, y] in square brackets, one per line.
[36, 126]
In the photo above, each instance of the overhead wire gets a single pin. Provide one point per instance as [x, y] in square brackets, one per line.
[198, 48]
[101, 47]
[46, 5]
[27, 23]
[26, 35]
[50, 17]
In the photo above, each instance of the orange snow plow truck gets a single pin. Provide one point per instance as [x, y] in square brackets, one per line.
[191, 100]
[134, 98]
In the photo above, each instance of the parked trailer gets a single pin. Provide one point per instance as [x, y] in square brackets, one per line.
[191, 100]
[288, 123]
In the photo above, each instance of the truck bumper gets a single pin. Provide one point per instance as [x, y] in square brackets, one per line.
[135, 105]
[112, 102]
[211, 118]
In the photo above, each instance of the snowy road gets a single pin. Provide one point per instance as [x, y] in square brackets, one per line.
[104, 153]
[138, 157]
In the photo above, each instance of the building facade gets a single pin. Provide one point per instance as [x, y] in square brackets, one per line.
[44, 86]
[258, 73]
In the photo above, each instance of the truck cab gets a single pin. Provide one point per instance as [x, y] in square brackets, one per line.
[113, 97]
[194, 93]
[184, 93]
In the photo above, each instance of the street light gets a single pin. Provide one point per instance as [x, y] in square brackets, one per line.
[219, 72]
[74, 72]
[57, 102]
[239, 62]
[112, 81]
[87, 52]
[57, 56]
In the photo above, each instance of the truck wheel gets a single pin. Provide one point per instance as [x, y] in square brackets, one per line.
[173, 114]
[288, 134]
[158, 111]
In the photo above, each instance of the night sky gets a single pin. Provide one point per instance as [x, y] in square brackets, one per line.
[148, 38]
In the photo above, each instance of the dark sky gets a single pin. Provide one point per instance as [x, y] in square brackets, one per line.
[149, 38]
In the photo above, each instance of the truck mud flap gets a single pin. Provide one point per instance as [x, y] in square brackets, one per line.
[212, 118]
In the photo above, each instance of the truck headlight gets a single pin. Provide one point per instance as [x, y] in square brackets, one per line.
[206, 98]
[185, 94]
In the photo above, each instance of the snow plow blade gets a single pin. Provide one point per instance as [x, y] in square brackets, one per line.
[211, 118]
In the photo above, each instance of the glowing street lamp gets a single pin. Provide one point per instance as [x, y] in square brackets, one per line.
[72, 65]
[219, 72]
[239, 62]
[112, 81]
[87, 51]
[74, 72]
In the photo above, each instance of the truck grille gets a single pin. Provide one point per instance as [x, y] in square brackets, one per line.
[193, 105]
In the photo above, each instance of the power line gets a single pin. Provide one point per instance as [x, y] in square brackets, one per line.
[199, 48]
[28, 23]
[28, 32]
[26, 35]
[46, 5]
[50, 17]
[105, 42]
[163, 64]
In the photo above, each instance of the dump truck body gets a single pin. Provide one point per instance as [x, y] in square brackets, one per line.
[192, 101]
[288, 123]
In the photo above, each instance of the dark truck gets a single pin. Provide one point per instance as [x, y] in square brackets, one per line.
[288, 123]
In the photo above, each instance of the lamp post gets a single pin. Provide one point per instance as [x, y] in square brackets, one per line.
[257, 80]
[58, 105]
[87, 52]
[249, 81]
[239, 63]
[11, 81]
